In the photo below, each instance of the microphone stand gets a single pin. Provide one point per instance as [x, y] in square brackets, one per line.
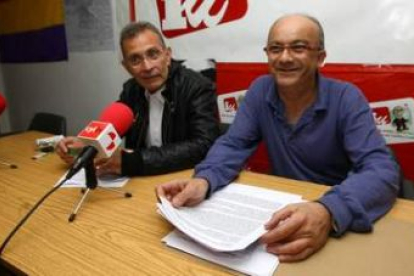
[91, 184]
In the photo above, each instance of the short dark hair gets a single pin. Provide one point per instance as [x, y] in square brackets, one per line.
[133, 29]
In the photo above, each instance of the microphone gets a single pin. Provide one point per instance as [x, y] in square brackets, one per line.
[114, 121]
[3, 104]
[102, 137]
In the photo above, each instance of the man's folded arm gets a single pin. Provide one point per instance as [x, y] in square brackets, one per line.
[228, 155]
[370, 189]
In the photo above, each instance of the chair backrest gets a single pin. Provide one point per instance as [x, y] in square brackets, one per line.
[48, 122]
[406, 186]
[223, 127]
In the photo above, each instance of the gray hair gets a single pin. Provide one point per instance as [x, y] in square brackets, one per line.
[136, 28]
[318, 24]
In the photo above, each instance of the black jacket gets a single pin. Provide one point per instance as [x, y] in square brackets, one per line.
[189, 124]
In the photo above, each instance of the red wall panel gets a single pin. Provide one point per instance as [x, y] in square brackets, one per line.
[378, 82]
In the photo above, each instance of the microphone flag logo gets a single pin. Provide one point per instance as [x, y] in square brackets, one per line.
[102, 136]
[93, 130]
[112, 137]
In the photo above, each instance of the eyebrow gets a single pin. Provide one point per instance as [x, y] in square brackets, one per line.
[297, 41]
[146, 51]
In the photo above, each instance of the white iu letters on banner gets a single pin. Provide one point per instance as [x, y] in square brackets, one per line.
[174, 18]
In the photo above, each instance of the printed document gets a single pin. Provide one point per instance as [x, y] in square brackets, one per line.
[224, 229]
[232, 219]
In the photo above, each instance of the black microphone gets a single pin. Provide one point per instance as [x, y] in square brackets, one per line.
[86, 156]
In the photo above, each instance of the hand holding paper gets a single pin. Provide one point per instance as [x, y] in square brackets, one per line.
[183, 192]
[297, 231]
[224, 229]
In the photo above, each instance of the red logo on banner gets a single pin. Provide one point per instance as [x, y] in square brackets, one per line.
[230, 104]
[179, 17]
[381, 115]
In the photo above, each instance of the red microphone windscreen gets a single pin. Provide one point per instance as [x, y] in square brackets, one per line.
[2, 104]
[119, 115]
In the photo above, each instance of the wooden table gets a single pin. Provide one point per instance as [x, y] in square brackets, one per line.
[113, 235]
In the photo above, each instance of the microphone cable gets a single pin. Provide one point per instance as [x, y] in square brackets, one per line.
[22, 221]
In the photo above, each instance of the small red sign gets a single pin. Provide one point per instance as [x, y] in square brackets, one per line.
[381, 115]
[230, 104]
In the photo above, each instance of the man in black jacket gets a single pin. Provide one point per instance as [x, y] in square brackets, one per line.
[175, 110]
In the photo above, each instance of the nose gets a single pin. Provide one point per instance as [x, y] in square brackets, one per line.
[285, 55]
[146, 64]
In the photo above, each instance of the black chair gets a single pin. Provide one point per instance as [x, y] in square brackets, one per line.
[406, 186]
[407, 189]
[48, 122]
[223, 127]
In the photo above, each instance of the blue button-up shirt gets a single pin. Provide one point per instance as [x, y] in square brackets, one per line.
[335, 142]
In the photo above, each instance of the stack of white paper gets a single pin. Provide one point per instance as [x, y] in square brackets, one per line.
[254, 260]
[230, 221]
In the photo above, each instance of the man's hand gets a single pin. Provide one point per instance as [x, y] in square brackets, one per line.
[62, 148]
[297, 231]
[188, 192]
[111, 165]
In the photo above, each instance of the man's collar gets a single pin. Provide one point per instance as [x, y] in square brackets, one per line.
[157, 94]
[321, 102]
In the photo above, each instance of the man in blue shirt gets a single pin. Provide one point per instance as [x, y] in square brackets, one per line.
[315, 129]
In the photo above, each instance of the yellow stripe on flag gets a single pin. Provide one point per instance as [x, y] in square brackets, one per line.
[18, 16]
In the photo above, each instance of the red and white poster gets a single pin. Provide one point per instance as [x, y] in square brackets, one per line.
[369, 31]
[394, 119]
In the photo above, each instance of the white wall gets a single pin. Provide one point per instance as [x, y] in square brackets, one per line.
[77, 89]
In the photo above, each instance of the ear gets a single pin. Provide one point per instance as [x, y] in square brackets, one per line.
[127, 68]
[168, 55]
[124, 64]
[321, 58]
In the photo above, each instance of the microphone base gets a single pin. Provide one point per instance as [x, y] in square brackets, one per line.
[85, 193]
[7, 164]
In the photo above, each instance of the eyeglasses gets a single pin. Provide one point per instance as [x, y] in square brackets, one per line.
[152, 54]
[296, 48]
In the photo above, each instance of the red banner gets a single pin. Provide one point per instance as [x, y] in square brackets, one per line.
[379, 83]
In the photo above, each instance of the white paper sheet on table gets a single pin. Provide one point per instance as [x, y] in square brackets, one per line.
[252, 261]
[107, 181]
